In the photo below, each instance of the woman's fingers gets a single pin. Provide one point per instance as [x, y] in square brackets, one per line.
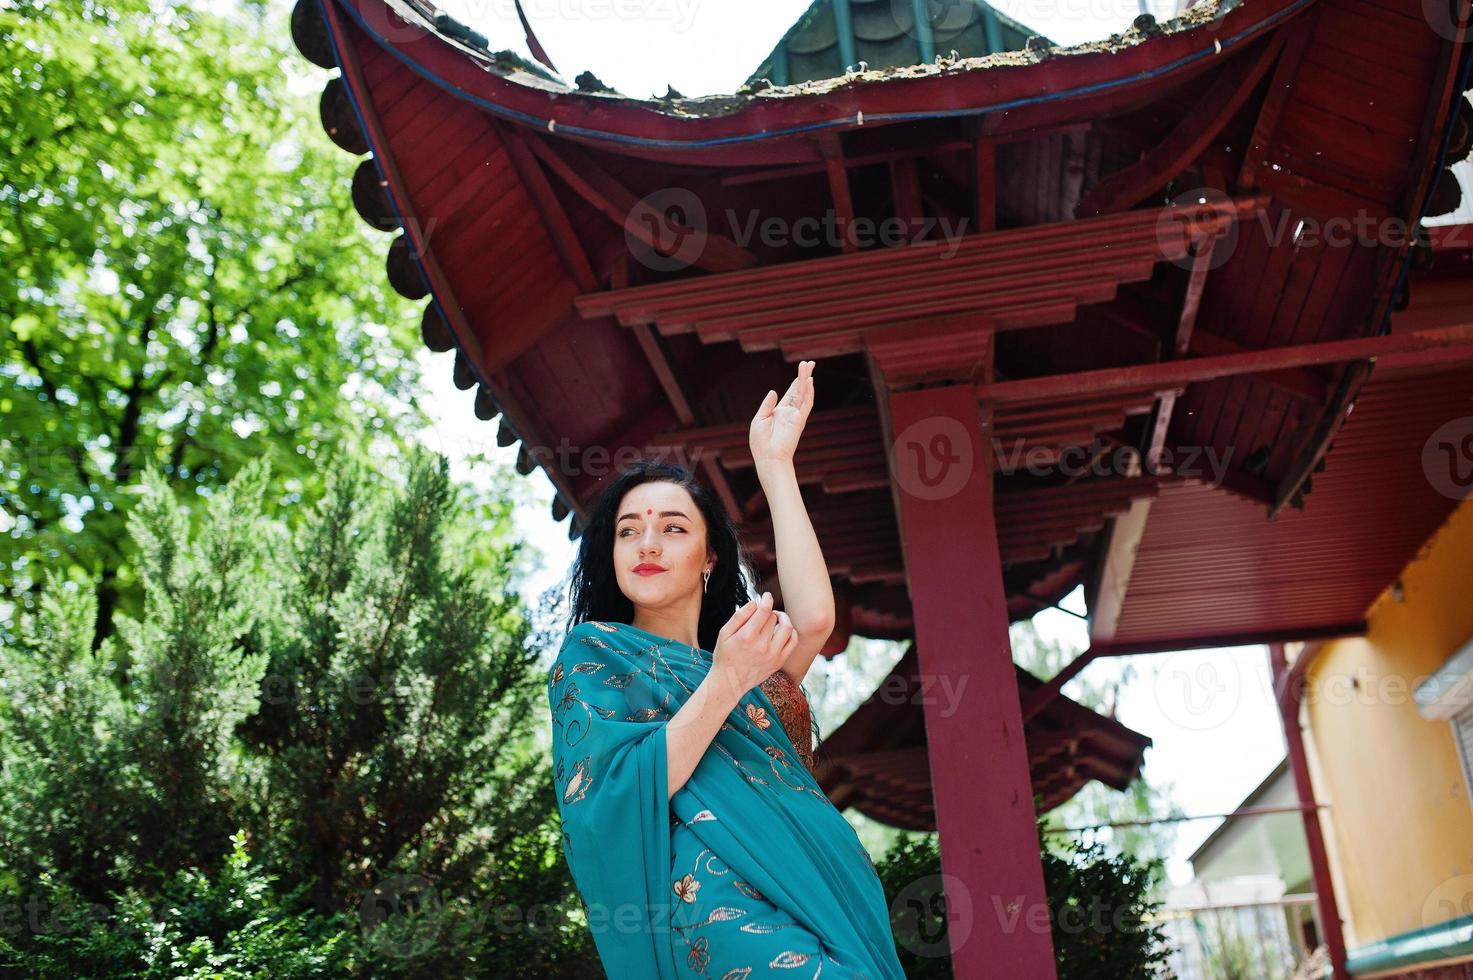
[760, 619]
[739, 618]
[782, 634]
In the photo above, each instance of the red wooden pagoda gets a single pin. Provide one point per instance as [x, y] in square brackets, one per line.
[1133, 292]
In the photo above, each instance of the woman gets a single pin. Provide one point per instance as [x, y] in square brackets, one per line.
[698, 838]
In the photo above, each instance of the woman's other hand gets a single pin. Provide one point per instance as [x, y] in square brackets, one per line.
[778, 424]
[755, 641]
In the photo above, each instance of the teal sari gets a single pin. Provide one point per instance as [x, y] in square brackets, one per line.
[749, 870]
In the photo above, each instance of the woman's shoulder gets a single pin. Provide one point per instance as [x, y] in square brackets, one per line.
[593, 630]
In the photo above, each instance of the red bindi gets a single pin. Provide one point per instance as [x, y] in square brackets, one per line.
[649, 510]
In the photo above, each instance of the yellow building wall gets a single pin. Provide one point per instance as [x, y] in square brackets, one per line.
[1400, 815]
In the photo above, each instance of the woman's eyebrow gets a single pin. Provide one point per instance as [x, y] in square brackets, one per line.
[663, 513]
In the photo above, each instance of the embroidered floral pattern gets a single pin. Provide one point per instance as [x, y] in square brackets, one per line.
[716, 917]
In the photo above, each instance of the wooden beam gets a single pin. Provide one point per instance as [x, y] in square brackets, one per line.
[833, 155]
[575, 258]
[984, 205]
[1116, 565]
[982, 782]
[1455, 344]
[905, 190]
[1041, 697]
[1204, 122]
[1191, 304]
[1224, 640]
[1281, 85]
[715, 252]
[1297, 382]
[1428, 149]
[654, 354]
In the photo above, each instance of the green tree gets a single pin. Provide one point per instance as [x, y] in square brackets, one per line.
[1097, 804]
[356, 695]
[1099, 910]
[186, 284]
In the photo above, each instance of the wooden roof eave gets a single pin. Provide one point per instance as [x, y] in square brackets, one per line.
[775, 125]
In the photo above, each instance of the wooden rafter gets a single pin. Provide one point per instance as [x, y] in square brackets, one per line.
[715, 252]
[554, 216]
[1453, 344]
[838, 174]
[1279, 89]
[1186, 321]
[1229, 90]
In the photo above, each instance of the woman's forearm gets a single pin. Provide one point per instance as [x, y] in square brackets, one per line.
[690, 730]
[808, 598]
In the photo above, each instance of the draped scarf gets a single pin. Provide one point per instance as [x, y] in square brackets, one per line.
[611, 690]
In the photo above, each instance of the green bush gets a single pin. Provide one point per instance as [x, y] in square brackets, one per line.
[354, 696]
[1098, 909]
[234, 925]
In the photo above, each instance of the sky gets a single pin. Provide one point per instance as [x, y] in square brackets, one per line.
[1215, 730]
[708, 47]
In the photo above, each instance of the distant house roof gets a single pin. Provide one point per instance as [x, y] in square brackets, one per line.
[1252, 799]
[833, 36]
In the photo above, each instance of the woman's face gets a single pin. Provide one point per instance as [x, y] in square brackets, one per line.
[659, 525]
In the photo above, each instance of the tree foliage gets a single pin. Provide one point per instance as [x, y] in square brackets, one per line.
[187, 286]
[1097, 804]
[1100, 911]
[353, 696]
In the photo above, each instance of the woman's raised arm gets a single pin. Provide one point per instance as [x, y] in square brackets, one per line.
[808, 596]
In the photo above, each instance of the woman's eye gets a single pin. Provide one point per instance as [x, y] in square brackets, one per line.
[668, 527]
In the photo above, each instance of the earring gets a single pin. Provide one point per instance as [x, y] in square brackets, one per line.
[705, 579]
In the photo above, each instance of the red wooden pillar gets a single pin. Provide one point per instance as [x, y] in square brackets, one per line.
[1287, 687]
[941, 478]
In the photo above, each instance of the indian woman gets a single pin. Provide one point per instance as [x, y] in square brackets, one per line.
[692, 824]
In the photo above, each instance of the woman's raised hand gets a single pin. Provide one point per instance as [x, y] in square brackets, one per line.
[755, 641]
[778, 424]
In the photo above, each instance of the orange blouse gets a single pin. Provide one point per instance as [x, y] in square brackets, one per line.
[793, 711]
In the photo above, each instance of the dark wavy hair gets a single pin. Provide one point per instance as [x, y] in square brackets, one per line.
[594, 593]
